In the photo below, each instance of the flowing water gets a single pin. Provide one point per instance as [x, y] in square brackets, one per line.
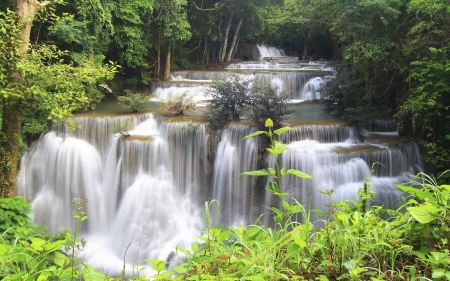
[145, 194]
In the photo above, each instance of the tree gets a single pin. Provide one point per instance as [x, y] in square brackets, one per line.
[229, 99]
[37, 81]
[236, 97]
[264, 103]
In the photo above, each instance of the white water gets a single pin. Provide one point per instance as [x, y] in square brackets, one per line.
[147, 193]
[270, 51]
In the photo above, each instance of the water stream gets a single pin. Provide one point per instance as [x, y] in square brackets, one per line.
[146, 193]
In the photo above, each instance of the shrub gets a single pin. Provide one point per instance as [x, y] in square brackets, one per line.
[14, 216]
[236, 97]
[229, 100]
[178, 105]
[264, 103]
[134, 101]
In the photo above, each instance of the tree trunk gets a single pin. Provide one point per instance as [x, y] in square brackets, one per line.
[158, 57]
[167, 67]
[205, 59]
[233, 44]
[11, 117]
[9, 148]
[223, 49]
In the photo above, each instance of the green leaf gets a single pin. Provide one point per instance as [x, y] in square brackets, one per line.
[256, 173]
[157, 264]
[277, 148]
[424, 213]
[438, 273]
[282, 130]
[254, 134]
[272, 186]
[298, 173]
[179, 269]
[414, 191]
[271, 170]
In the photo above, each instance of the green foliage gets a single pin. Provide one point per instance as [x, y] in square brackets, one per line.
[179, 104]
[236, 97]
[31, 256]
[134, 101]
[229, 100]
[14, 217]
[264, 102]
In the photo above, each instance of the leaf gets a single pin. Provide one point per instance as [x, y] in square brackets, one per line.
[256, 173]
[179, 269]
[254, 134]
[282, 130]
[277, 148]
[438, 273]
[424, 213]
[271, 170]
[272, 186]
[414, 191]
[298, 173]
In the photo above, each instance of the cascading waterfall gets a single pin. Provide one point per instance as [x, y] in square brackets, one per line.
[301, 85]
[269, 51]
[235, 193]
[147, 191]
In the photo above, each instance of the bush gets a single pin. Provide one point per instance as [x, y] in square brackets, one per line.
[178, 105]
[236, 97]
[14, 216]
[264, 103]
[134, 101]
[229, 99]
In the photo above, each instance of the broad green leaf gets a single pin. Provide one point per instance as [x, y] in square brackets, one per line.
[157, 264]
[282, 130]
[298, 173]
[414, 191]
[271, 171]
[256, 173]
[277, 148]
[438, 273]
[179, 269]
[283, 171]
[424, 213]
[254, 134]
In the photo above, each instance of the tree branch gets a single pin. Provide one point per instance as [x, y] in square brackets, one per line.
[42, 4]
[210, 9]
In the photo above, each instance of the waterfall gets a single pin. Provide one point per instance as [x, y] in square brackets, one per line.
[270, 51]
[234, 192]
[144, 191]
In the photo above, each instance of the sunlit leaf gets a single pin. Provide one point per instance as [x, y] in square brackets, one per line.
[299, 174]
[254, 134]
[424, 213]
[256, 173]
[282, 130]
